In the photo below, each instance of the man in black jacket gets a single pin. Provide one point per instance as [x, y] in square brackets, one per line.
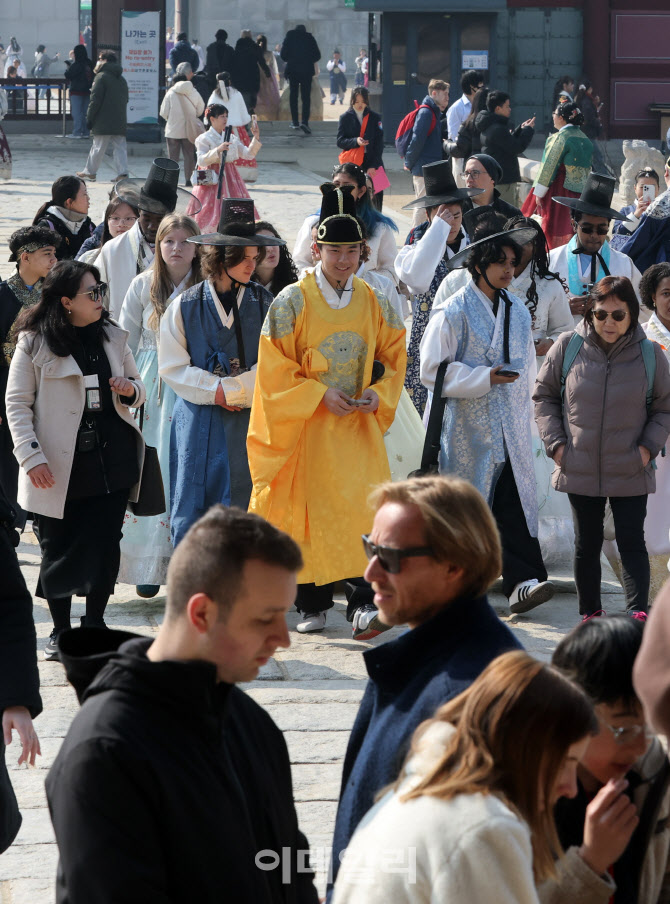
[173, 785]
[220, 57]
[301, 52]
[245, 73]
[503, 144]
[20, 700]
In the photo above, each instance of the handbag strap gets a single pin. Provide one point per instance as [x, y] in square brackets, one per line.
[364, 124]
[431, 447]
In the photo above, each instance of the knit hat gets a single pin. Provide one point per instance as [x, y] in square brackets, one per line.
[492, 167]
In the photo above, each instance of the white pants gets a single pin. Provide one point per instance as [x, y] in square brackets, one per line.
[98, 149]
[419, 214]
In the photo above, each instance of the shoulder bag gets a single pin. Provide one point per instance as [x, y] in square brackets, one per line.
[151, 498]
[355, 155]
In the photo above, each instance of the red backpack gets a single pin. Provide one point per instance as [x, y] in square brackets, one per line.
[404, 134]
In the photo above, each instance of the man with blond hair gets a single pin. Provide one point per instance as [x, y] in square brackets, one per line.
[432, 554]
[425, 145]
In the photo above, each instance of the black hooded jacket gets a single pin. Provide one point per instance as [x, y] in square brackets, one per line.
[168, 784]
[246, 61]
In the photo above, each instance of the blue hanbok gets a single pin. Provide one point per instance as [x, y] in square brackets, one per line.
[650, 243]
[201, 348]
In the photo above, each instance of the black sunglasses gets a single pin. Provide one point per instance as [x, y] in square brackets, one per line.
[617, 315]
[391, 559]
[589, 230]
[95, 292]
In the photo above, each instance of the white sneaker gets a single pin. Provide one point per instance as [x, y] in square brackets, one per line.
[529, 594]
[312, 623]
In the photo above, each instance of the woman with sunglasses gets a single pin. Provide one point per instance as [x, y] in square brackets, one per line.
[471, 816]
[615, 830]
[71, 384]
[602, 408]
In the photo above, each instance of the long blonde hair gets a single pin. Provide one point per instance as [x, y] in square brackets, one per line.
[161, 283]
[513, 728]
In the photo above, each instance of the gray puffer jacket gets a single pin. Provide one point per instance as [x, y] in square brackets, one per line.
[603, 417]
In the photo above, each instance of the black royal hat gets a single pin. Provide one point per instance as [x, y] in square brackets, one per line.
[338, 223]
[237, 227]
[159, 192]
[521, 236]
[441, 187]
[596, 198]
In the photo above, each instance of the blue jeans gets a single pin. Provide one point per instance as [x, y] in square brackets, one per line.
[79, 107]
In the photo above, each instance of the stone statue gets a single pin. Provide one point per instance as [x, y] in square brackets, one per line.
[637, 155]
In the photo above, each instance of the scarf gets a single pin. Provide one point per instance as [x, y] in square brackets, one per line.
[26, 297]
[575, 282]
[71, 218]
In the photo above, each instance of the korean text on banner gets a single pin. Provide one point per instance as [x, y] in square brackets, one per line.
[140, 58]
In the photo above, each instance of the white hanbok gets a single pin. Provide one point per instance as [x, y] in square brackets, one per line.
[120, 261]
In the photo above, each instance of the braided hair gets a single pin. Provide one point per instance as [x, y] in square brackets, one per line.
[539, 262]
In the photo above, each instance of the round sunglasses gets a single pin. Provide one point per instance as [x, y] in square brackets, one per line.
[617, 315]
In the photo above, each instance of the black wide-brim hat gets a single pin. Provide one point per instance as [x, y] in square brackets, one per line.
[521, 236]
[159, 192]
[338, 223]
[237, 227]
[441, 187]
[596, 198]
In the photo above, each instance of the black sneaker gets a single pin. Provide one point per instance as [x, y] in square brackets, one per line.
[51, 652]
[306, 129]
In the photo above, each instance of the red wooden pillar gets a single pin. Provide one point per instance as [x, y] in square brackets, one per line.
[596, 53]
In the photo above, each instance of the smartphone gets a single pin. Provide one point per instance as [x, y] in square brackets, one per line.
[648, 192]
[359, 402]
[254, 119]
[508, 373]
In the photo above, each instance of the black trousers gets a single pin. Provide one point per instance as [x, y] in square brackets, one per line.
[522, 556]
[312, 598]
[629, 513]
[304, 85]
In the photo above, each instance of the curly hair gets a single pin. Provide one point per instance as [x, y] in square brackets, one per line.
[286, 271]
[539, 263]
[650, 283]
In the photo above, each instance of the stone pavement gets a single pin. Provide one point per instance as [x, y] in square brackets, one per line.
[312, 690]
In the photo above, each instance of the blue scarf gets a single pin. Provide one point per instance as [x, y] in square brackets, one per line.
[574, 279]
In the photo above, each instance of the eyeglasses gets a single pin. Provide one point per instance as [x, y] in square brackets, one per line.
[127, 221]
[629, 735]
[617, 315]
[390, 558]
[474, 174]
[96, 292]
[589, 230]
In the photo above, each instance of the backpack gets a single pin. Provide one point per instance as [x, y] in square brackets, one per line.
[648, 356]
[406, 128]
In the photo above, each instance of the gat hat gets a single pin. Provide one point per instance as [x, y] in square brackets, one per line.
[441, 187]
[158, 193]
[596, 198]
[521, 236]
[490, 164]
[31, 238]
[236, 227]
[338, 223]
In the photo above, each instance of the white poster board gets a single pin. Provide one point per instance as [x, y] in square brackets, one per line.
[475, 59]
[140, 58]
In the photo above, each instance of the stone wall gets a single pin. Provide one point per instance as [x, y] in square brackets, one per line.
[333, 25]
[34, 22]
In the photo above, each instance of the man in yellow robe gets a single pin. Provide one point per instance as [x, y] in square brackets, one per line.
[318, 418]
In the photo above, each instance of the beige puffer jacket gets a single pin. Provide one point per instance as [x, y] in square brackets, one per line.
[603, 416]
[180, 102]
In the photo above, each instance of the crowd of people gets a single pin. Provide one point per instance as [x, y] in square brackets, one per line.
[186, 404]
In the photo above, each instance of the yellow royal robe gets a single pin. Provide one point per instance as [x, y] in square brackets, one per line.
[312, 470]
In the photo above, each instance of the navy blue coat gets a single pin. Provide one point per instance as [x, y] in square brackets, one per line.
[409, 678]
[424, 147]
